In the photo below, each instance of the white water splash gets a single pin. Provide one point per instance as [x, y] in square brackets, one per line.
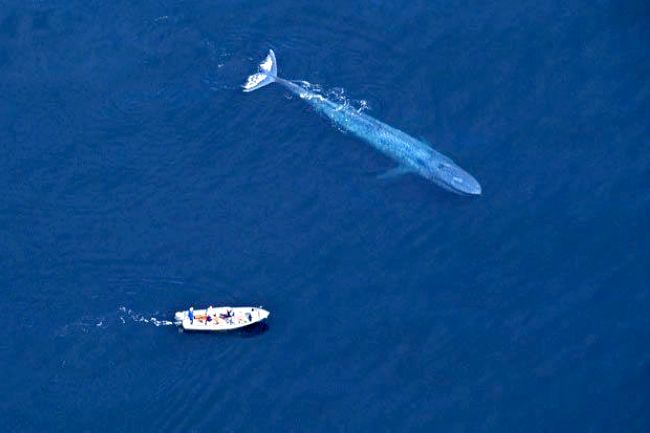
[336, 94]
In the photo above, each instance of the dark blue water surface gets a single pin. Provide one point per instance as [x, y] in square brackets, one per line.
[138, 179]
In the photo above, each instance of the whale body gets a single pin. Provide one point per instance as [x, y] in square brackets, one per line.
[411, 154]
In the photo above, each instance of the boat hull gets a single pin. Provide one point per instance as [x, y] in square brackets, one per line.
[222, 319]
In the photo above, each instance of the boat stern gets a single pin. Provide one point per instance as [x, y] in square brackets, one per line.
[179, 317]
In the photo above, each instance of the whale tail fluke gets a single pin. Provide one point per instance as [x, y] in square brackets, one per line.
[268, 72]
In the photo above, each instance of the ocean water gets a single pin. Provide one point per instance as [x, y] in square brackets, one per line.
[138, 179]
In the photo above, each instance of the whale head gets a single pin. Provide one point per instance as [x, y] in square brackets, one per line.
[453, 178]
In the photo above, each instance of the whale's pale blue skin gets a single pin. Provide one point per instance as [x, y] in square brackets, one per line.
[411, 154]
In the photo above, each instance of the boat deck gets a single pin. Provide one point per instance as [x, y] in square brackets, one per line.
[221, 319]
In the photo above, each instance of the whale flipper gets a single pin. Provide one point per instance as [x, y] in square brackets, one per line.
[267, 73]
[395, 172]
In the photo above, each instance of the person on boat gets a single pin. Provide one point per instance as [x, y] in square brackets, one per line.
[227, 316]
[190, 314]
[208, 315]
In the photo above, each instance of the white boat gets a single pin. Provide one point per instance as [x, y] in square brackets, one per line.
[220, 318]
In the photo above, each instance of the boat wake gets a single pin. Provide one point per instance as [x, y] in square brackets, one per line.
[121, 317]
[131, 315]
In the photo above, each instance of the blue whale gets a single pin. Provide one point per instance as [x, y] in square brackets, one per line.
[411, 154]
